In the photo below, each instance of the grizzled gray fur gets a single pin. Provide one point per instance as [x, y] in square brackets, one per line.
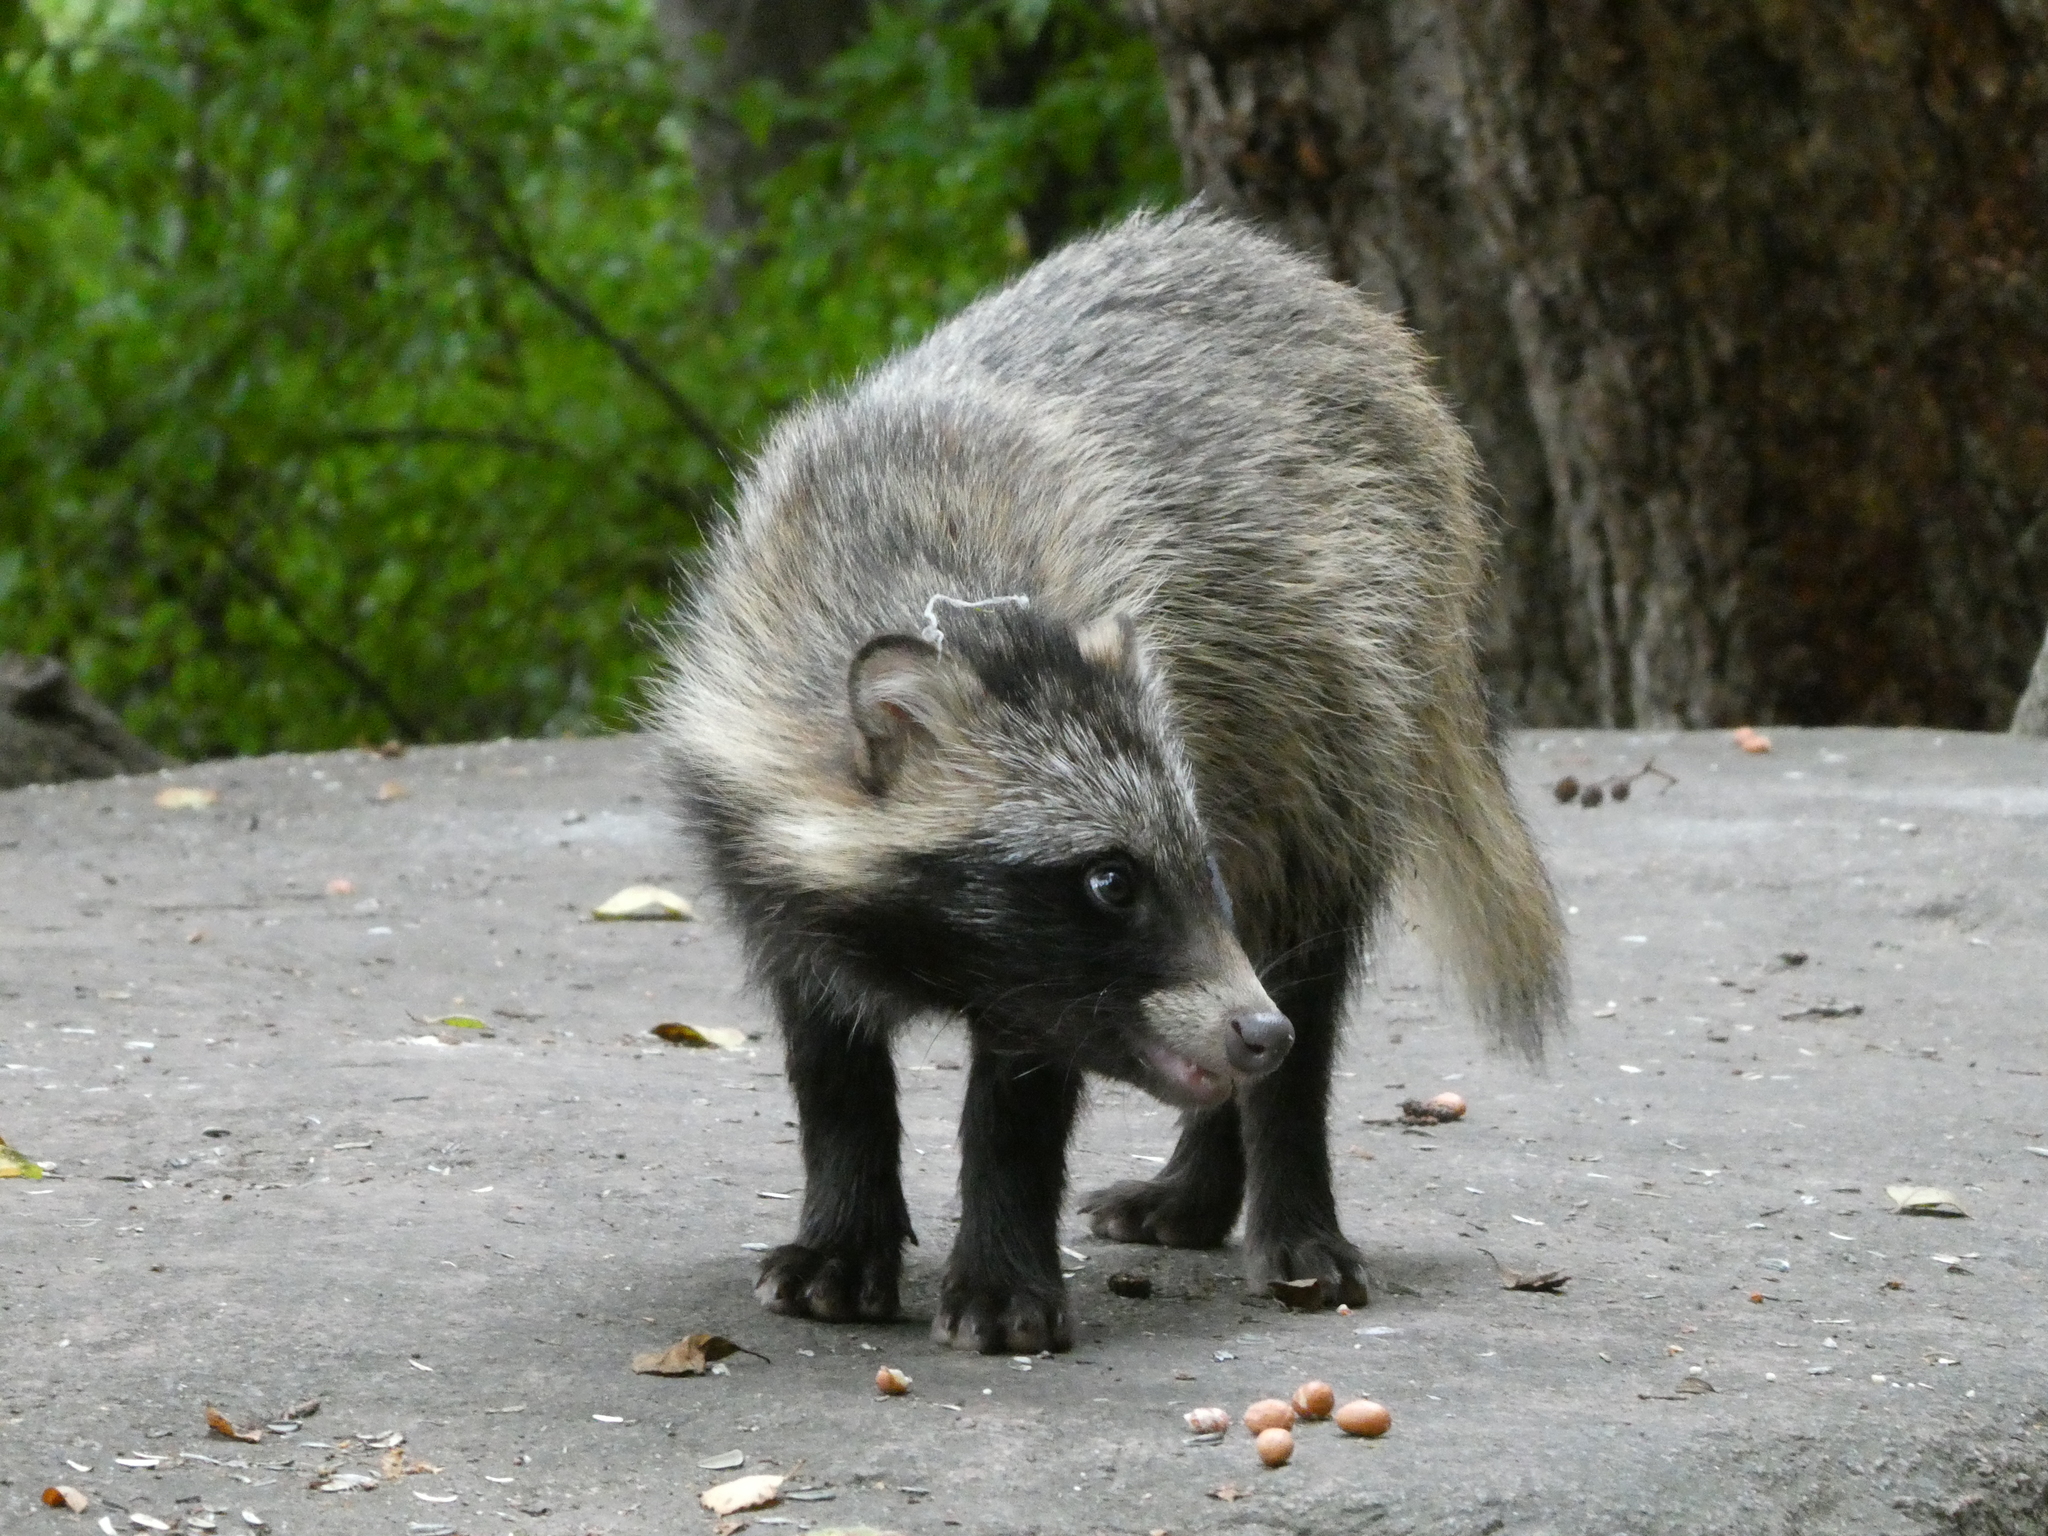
[1097, 672]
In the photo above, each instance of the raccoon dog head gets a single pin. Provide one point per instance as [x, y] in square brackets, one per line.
[1043, 867]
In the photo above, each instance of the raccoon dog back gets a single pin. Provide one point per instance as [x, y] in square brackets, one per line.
[1096, 671]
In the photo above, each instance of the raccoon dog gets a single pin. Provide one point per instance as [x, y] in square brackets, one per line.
[1093, 672]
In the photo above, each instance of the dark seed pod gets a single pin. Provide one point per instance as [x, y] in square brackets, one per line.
[1566, 790]
[1591, 796]
[1618, 789]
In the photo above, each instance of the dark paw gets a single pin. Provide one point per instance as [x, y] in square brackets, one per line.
[998, 1319]
[832, 1285]
[1313, 1256]
[1162, 1211]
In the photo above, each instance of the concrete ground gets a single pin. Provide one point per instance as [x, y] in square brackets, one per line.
[273, 1182]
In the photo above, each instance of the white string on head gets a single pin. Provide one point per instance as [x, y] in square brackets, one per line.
[932, 635]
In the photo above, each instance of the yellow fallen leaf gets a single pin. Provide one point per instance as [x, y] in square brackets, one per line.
[642, 902]
[14, 1166]
[1924, 1200]
[701, 1035]
[755, 1492]
[184, 797]
[691, 1356]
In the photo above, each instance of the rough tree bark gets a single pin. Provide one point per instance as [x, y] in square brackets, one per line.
[1745, 304]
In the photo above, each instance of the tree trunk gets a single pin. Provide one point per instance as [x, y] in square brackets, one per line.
[1745, 305]
[718, 47]
[2030, 717]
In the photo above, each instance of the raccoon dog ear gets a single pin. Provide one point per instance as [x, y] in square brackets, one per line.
[1110, 641]
[903, 692]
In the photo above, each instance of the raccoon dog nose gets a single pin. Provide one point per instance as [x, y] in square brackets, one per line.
[1258, 1042]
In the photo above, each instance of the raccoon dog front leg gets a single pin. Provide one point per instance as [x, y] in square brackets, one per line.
[1003, 1294]
[848, 1255]
[1290, 1226]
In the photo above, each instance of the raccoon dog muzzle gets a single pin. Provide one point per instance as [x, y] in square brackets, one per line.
[1195, 1064]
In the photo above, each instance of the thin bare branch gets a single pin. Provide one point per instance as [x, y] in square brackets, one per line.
[509, 246]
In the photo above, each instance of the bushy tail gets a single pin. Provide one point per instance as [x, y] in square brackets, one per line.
[1479, 887]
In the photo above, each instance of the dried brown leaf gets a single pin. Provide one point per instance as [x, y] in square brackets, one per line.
[692, 1356]
[1298, 1295]
[395, 1465]
[66, 1497]
[218, 1423]
[1550, 1282]
[756, 1491]
[1826, 1008]
[701, 1036]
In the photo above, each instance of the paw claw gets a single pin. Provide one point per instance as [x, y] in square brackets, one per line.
[1160, 1211]
[994, 1319]
[831, 1285]
[1327, 1257]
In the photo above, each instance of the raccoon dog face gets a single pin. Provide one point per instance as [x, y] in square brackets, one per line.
[1043, 868]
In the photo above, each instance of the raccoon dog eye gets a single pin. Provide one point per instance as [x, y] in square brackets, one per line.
[1112, 884]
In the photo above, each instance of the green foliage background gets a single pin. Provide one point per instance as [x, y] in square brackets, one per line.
[364, 366]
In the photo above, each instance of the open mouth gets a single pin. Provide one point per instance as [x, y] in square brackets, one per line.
[1183, 1081]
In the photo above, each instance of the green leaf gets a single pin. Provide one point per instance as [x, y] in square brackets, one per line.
[14, 1166]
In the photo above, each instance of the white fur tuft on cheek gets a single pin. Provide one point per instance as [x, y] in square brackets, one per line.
[849, 848]
[822, 851]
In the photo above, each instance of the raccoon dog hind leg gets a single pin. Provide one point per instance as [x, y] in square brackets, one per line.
[1094, 672]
